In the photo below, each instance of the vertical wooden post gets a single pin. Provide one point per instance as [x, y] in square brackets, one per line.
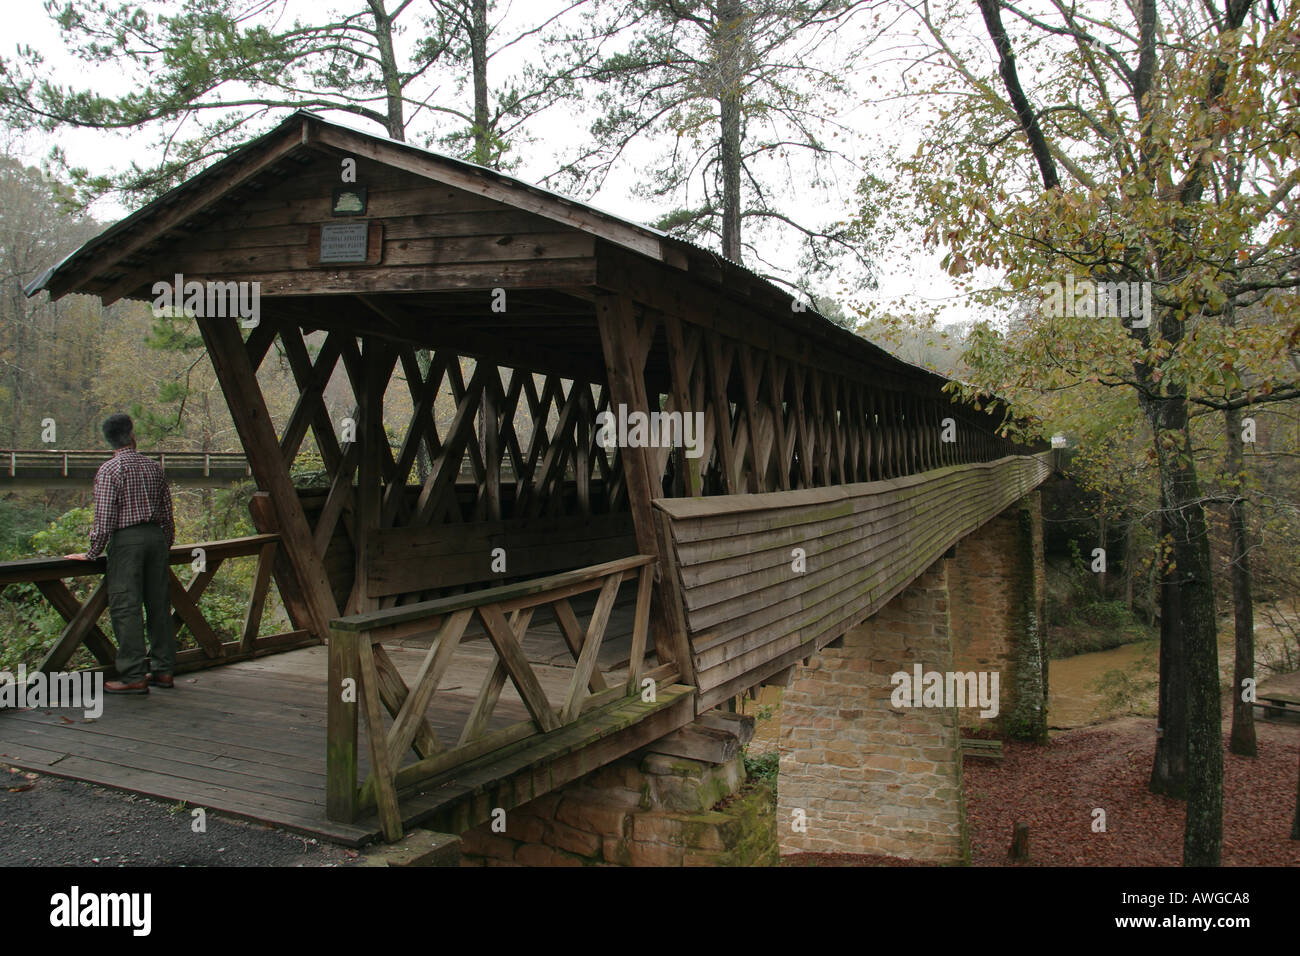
[381, 768]
[372, 442]
[257, 434]
[719, 372]
[492, 443]
[687, 470]
[877, 436]
[583, 435]
[927, 433]
[913, 434]
[838, 421]
[889, 418]
[640, 628]
[341, 726]
[904, 438]
[625, 370]
[803, 432]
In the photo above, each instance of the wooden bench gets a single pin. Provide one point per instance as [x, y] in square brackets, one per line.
[1275, 705]
[978, 747]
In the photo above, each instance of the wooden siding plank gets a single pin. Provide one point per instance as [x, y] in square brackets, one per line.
[745, 608]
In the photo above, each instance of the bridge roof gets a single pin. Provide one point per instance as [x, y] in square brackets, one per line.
[103, 266]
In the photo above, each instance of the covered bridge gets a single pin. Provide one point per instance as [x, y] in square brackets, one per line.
[825, 476]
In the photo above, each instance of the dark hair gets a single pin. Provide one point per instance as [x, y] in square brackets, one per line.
[118, 429]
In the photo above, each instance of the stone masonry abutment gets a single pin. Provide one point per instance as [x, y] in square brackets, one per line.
[871, 763]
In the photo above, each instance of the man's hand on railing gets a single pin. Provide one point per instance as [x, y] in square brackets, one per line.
[79, 556]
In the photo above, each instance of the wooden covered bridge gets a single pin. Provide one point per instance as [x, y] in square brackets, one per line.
[484, 608]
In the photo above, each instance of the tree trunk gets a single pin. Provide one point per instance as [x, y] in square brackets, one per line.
[1128, 566]
[730, 29]
[1101, 543]
[1169, 768]
[1191, 593]
[478, 38]
[1242, 740]
[395, 122]
[1295, 820]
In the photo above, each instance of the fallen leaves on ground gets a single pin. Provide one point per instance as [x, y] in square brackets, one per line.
[1056, 788]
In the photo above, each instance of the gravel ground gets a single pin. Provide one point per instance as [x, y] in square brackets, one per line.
[48, 821]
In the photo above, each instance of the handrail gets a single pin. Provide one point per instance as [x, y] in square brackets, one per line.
[362, 679]
[80, 464]
[47, 573]
[31, 570]
[437, 607]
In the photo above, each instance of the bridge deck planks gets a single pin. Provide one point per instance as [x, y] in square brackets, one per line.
[248, 739]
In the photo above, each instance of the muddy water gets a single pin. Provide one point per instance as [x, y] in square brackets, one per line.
[1074, 699]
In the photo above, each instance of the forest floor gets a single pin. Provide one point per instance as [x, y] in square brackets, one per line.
[1057, 788]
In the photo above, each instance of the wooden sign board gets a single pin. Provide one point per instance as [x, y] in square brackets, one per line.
[346, 243]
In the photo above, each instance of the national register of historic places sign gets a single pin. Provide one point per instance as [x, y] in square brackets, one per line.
[344, 241]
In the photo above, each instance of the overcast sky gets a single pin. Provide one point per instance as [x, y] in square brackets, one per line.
[874, 116]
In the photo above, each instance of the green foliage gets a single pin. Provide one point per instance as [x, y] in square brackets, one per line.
[762, 768]
[66, 534]
[1105, 614]
[28, 624]
[18, 522]
[308, 470]
[1128, 690]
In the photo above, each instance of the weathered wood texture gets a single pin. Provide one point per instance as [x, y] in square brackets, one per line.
[491, 457]
[425, 236]
[249, 738]
[354, 643]
[750, 611]
[82, 618]
[514, 318]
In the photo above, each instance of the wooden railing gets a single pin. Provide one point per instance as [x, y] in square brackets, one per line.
[362, 679]
[82, 627]
[748, 616]
[78, 466]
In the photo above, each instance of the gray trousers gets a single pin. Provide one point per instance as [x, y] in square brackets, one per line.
[137, 574]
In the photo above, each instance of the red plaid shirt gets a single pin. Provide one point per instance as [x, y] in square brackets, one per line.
[129, 489]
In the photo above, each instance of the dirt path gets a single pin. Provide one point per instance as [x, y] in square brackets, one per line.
[47, 821]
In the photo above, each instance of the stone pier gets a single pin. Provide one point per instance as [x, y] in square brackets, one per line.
[996, 588]
[861, 774]
[857, 774]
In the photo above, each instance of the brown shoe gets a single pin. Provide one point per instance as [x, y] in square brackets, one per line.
[162, 680]
[135, 687]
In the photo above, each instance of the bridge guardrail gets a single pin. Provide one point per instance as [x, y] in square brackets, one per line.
[49, 574]
[356, 655]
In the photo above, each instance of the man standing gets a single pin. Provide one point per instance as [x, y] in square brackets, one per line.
[134, 520]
